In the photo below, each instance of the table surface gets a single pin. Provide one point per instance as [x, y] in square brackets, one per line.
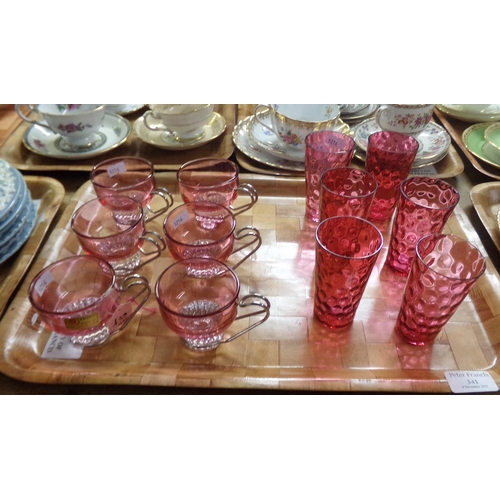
[72, 181]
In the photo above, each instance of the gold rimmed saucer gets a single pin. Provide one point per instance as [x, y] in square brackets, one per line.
[213, 129]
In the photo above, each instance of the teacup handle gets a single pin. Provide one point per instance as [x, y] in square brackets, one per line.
[254, 235]
[155, 239]
[257, 117]
[158, 127]
[130, 281]
[379, 114]
[249, 190]
[167, 198]
[26, 119]
[256, 300]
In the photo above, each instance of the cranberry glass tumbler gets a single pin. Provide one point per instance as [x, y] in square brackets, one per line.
[346, 191]
[424, 206]
[444, 270]
[346, 251]
[389, 158]
[324, 150]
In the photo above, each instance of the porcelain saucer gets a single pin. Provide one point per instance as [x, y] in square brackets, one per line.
[123, 109]
[471, 113]
[475, 142]
[23, 233]
[434, 141]
[251, 149]
[351, 109]
[360, 114]
[115, 130]
[268, 141]
[213, 129]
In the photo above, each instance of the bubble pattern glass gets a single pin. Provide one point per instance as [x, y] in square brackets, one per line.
[346, 191]
[389, 158]
[424, 206]
[324, 150]
[443, 272]
[346, 251]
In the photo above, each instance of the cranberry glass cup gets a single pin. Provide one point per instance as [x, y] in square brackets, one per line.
[443, 272]
[79, 297]
[199, 299]
[324, 150]
[346, 251]
[206, 230]
[389, 158]
[424, 206]
[214, 180]
[346, 191]
[132, 177]
[112, 229]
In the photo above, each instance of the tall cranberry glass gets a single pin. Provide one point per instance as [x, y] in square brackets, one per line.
[389, 158]
[324, 150]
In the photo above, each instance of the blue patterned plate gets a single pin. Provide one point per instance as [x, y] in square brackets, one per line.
[23, 234]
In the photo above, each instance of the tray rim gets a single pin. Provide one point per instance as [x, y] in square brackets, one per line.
[489, 220]
[127, 148]
[37, 236]
[369, 379]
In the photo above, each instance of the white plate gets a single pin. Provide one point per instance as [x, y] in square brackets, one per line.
[434, 141]
[464, 112]
[44, 142]
[123, 109]
[255, 152]
[213, 129]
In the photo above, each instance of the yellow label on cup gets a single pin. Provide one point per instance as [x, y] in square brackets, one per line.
[82, 323]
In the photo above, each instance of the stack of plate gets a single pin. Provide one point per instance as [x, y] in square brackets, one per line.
[355, 113]
[483, 141]
[260, 145]
[434, 142]
[17, 211]
[472, 113]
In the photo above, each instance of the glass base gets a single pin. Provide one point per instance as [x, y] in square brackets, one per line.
[126, 266]
[91, 339]
[205, 343]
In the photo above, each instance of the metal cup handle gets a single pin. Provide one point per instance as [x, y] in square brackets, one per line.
[252, 234]
[167, 197]
[144, 292]
[251, 300]
[250, 191]
[155, 239]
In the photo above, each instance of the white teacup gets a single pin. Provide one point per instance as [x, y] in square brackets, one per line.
[410, 119]
[78, 124]
[291, 123]
[184, 121]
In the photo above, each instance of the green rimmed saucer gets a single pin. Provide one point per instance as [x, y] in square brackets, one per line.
[475, 142]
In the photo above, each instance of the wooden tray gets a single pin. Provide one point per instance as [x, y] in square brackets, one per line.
[456, 128]
[486, 200]
[291, 351]
[14, 152]
[450, 166]
[49, 193]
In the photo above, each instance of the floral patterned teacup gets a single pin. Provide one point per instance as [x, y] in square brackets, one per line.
[77, 124]
[410, 119]
[291, 123]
